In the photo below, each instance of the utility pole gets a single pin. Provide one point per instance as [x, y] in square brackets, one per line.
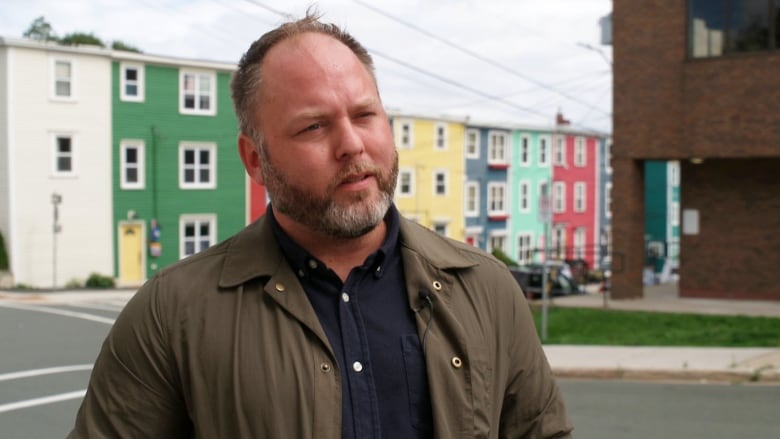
[56, 199]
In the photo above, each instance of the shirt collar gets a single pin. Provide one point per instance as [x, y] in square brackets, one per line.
[304, 264]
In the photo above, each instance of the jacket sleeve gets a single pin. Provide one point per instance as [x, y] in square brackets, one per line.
[533, 404]
[134, 388]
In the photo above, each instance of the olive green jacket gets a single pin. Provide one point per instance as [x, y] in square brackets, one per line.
[225, 344]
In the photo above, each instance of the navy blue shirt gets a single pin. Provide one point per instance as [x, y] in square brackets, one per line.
[373, 333]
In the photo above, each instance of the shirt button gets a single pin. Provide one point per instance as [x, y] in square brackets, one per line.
[345, 297]
[357, 367]
[325, 367]
[312, 264]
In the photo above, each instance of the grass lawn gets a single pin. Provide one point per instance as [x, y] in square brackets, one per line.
[586, 326]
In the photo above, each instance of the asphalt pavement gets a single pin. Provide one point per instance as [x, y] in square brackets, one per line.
[704, 364]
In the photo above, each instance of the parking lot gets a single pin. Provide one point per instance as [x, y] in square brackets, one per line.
[49, 346]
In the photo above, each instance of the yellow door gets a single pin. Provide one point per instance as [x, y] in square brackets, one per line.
[130, 256]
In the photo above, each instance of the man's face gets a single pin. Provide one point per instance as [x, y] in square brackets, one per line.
[329, 163]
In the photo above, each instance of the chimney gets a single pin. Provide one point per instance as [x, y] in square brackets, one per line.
[560, 121]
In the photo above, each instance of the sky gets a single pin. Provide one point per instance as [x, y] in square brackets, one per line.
[494, 61]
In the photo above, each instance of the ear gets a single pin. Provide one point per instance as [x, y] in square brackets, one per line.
[250, 156]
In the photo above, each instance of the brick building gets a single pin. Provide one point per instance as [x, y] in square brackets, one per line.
[698, 81]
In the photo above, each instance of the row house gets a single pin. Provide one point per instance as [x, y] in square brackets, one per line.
[431, 171]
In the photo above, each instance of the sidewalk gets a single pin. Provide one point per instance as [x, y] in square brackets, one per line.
[741, 365]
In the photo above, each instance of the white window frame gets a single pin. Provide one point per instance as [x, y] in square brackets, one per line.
[580, 237]
[198, 219]
[494, 237]
[497, 150]
[580, 152]
[525, 150]
[525, 248]
[471, 203]
[559, 151]
[445, 182]
[558, 246]
[674, 213]
[544, 150]
[580, 196]
[440, 136]
[608, 156]
[496, 199]
[674, 173]
[401, 141]
[140, 166]
[56, 154]
[472, 148]
[399, 188]
[71, 79]
[139, 82]
[608, 200]
[524, 196]
[559, 197]
[212, 166]
[198, 76]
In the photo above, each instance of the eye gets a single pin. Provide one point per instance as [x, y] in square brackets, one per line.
[312, 127]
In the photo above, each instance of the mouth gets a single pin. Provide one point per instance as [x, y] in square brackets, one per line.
[355, 178]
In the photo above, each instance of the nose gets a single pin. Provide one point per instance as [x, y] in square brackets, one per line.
[348, 141]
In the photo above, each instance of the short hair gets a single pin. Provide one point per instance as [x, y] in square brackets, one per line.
[247, 80]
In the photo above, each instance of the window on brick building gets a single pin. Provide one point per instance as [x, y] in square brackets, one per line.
[723, 27]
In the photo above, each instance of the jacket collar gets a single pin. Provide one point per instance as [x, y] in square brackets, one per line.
[254, 251]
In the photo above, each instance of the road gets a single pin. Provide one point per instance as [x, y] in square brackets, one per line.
[639, 410]
[48, 350]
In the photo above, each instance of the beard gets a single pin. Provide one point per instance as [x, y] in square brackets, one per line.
[352, 218]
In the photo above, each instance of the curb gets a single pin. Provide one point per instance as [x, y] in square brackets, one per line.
[729, 377]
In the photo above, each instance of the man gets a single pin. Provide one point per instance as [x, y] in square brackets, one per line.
[332, 316]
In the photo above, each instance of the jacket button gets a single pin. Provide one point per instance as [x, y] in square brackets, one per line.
[280, 287]
[325, 367]
[457, 362]
[436, 285]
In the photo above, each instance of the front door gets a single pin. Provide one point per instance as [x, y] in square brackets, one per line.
[131, 245]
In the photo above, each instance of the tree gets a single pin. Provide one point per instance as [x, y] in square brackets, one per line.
[119, 45]
[81, 38]
[40, 30]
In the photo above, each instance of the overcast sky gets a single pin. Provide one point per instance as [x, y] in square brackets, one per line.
[517, 61]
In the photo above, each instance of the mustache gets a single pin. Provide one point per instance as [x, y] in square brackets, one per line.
[355, 168]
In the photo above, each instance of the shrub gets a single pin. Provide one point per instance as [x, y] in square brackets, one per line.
[73, 283]
[96, 280]
[501, 256]
[3, 254]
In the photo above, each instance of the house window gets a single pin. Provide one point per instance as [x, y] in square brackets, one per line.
[132, 82]
[132, 164]
[559, 197]
[440, 136]
[579, 196]
[404, 134]
[525, 151]
[579, 243]
[196, 233]
[197, 93]
[497, 241]
[440, 228]
[674, 214]
[496, 199]
[525, 249]
[406, 182]
[63, 79]
[717, 28]
[525, 196]
[608, 200]
[608, 156]
[471, 203]
[559, 151]
[440, 183]
[472, 144]
[580, 153]
[197, 167]
[497, 148]
[63, 155]
[559, 242]
[544, 151]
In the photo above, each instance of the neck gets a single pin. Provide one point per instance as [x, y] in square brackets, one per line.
[339, 254]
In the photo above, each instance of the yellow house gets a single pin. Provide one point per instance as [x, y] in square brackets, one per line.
[431, 171]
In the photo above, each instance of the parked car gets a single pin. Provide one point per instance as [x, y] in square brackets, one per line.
[530, 279]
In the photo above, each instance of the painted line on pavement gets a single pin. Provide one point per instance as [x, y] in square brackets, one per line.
[62, 312]
[42, 400]
[45, 371]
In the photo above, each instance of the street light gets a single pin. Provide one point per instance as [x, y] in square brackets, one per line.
[56, 199]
